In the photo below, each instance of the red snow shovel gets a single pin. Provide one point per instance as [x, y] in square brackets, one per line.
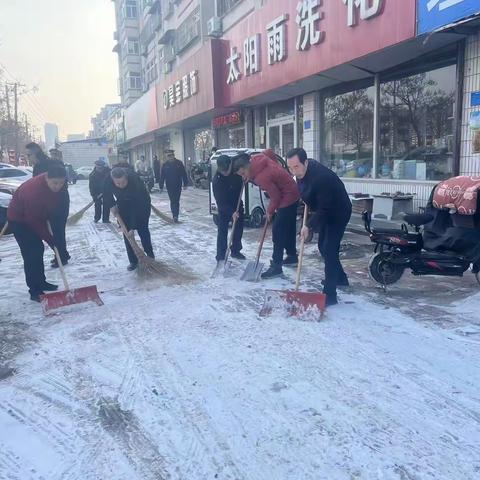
[63, 298]
[295, 303]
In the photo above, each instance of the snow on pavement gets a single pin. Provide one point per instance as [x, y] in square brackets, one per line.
[187, 382]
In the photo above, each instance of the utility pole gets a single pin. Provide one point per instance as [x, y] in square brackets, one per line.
[7, 99]
[27, 134]
[15, 96]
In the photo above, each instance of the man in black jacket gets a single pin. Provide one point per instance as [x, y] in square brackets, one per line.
[132, 202]
[173, 174]
[325, 195]
[96, 185]
[41, 164]
[226, 189]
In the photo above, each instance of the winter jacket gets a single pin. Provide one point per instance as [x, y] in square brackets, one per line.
[32, 204]
[173, 174]
[226, 190]
[133, 201]
[275, 180]
[96, 181]
[326, 196]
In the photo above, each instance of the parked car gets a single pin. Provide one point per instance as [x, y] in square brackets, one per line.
[9, 185]
[254, 199]
[83, 172]
[4, 202]
[15, 173]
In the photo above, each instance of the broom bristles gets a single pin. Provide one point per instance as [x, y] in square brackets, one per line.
[76, 217]
[162, 215]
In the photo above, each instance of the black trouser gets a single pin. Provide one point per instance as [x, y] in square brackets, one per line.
[32, 249]
[329, 240]
[222, 234]
[144, 233]
[102, 209]
[284, 233]
[174, 195]
[59, 224]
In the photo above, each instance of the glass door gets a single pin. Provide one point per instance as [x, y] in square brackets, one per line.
[281, 137]
[288, 138]
[274, 139]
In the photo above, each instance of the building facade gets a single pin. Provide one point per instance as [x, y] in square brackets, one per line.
[380, 91]
[51, 135]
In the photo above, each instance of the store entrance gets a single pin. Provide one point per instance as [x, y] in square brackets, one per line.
[281, 136]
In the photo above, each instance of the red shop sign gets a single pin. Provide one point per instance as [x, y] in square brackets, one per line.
[233, 118]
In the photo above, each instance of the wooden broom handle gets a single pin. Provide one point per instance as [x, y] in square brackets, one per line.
[302, 248]
[260, 245]
[4, 229]
[59, 260]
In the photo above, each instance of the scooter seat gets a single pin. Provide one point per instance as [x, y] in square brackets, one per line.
[417, 219]
[387, 231]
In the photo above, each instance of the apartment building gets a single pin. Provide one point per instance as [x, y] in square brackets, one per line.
[386, 93]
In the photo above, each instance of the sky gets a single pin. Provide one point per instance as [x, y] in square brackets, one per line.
[63, 47]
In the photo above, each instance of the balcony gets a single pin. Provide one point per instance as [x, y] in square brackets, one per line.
[149, 28]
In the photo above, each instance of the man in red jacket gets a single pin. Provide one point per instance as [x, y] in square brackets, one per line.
[32, 205]
[282, 190]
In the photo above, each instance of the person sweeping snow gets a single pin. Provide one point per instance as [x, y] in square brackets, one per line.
[132, 203]
[34, 204]
[96, 185]
[265, 172]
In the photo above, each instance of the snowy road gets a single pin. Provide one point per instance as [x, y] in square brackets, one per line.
[188, 383]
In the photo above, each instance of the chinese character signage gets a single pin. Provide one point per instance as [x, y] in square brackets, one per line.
[434, 14]
[234, 118]
[310, 25]
[181, 90]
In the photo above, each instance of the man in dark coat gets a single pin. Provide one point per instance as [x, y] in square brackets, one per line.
[157, 168]
[226, 189]
[173, 174]
[41, 163]
[282, 190]
[32, 205]
[325, 195]
[96, 184]
[132, 202]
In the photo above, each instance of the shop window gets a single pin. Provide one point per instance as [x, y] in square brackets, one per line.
[349, 133]
[203, 143]
[260, 117]
[417, 126]
[285, 108]
[236, 137]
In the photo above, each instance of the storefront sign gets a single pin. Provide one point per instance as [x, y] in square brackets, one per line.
[181, 90]
[434, 14]
[233, 118]
[287, 41]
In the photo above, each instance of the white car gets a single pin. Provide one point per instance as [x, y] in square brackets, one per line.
[14, 173]
[83, 172]
[4, 202]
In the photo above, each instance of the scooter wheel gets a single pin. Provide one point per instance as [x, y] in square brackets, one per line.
[383, 271]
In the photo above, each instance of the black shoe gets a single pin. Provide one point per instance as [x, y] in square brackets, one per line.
[96, 220]
[238, 256]
[35, 297]
[175, 219]
[49, 287]
[106, 221]
[331, 300]
[290, 260]
[132, 267]
[273, 272]
[54, 263]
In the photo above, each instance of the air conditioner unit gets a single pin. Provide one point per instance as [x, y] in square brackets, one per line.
[214, 27]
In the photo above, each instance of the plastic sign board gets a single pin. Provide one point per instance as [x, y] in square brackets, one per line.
[434, 14]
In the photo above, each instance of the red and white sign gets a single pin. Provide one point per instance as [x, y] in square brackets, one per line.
[287, 41]
[234, 118]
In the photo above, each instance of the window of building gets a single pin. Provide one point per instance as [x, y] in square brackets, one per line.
[133, 81]
[281, 109]
[188, 31]
[151, 72]
[223, 6]
[133, 47]
[417, 126]
[349, 133]
[131, 10]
